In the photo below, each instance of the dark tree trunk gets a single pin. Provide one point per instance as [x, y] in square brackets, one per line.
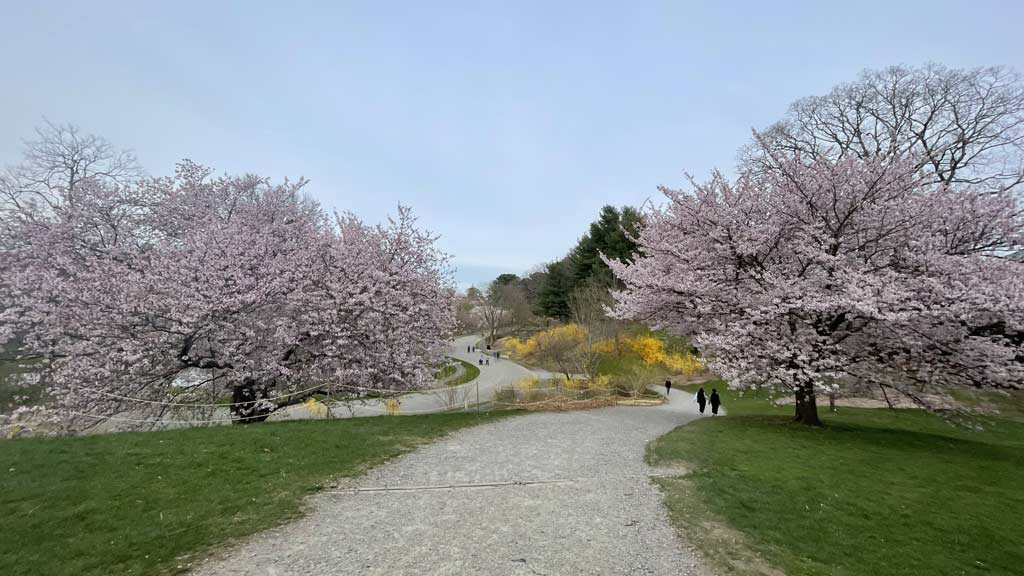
[245, 405]
[806, 406]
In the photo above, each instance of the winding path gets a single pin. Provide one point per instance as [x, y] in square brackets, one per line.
[545, 493]
[495, 375]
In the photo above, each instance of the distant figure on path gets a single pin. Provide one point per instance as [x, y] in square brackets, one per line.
[480, 361]
[497, 355]
[701, 399]
[715, 401]
[469, 348]
[487, 361]
[668, 387]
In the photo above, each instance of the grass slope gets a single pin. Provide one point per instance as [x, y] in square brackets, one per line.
[874, 492]
[144, 503]
[469, 373]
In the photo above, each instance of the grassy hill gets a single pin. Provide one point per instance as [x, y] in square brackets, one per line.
[151, 502]
[894, 492]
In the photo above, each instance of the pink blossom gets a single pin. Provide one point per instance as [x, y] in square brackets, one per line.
[126, 288]
[837, 271]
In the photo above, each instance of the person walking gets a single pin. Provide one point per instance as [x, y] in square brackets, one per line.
[668, 386]
[716, 401]
[701, 399]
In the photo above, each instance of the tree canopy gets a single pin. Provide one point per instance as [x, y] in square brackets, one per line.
[832, 269]
[959, 126]
[610, 236]
[126, 288]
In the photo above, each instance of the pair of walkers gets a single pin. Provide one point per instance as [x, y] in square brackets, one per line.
[703, 400]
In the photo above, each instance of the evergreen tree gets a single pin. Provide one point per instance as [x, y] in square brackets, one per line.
[505, 280]
[554, 294]
[611, 236]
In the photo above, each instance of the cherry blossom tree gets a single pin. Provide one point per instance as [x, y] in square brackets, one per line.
[247, 284]
[833, 270]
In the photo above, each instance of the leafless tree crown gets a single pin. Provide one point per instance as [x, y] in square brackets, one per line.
[965, 125]
[59, 160]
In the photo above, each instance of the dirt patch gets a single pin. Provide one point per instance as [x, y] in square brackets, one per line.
[848, 402]
[936, 401]
[741, 559]
[641, 401]
[677, 470]
[729, 550]
[564, 404]
[702, 377]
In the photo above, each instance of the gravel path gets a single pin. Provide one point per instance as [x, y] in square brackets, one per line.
[496, 374]
[593, 511]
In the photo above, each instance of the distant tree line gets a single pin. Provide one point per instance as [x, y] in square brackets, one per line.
[550, 289]
[576, 287]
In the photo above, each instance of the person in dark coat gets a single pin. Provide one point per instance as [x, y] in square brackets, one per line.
[668, 387]
[715, 401]
[701, 400]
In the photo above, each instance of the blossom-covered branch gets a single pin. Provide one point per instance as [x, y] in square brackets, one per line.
[126, 289]
[829, 271]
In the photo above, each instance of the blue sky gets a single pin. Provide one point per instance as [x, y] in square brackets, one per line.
[506, 126]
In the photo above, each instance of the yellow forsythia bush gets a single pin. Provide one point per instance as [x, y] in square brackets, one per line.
[573, 384]
[559, 337]
[684, 363]
[522, 348]
[525, 385]
[650, 349]
[316, 408]
[601, 382]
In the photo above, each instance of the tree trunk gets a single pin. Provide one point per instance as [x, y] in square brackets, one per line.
[806, 406]
[245, 408]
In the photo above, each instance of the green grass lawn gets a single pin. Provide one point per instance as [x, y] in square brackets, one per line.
[446, 371]
[873, 492]
[469, 372]
[1005, 403]
[145, 503]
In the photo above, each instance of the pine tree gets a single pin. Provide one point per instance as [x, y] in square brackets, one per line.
[554, 295]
